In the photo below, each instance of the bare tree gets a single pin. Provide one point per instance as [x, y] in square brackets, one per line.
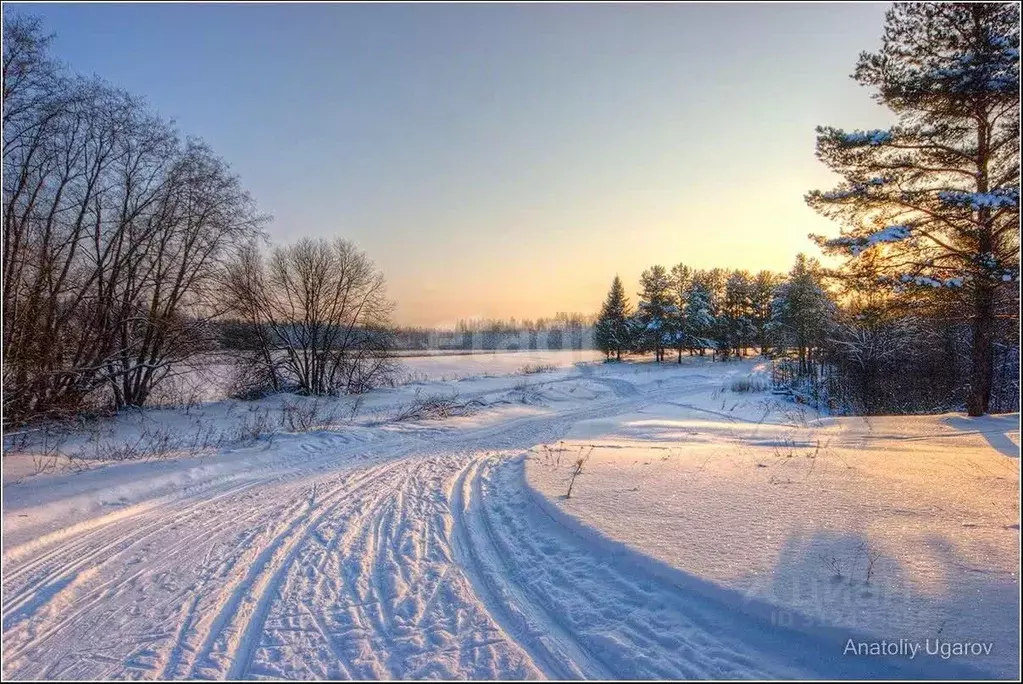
[202, 218]
[318, 315]
[113, 231]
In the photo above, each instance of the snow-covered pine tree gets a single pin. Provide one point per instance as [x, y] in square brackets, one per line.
[638, 333]
[681, 280]
[714, 282]
[737, 310]
[938, 194]
[761, 295]
[602, 337]
[612, 333]
[802, 311]
[697, 319]
[654, 309]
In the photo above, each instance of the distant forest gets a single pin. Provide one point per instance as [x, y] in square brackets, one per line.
[561, 331]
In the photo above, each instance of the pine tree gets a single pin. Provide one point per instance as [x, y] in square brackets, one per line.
[737, 313]
[612, 332]
[714, 282]
[761, 296]
[937, 196]
[697, 320]
[639, 337]
[655, 309]
[602, 337]
[802, 311]
[681, 281]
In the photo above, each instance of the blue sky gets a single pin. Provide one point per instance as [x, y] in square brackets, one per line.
[504, 160]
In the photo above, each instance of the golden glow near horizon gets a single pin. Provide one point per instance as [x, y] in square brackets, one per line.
[517, 275]
[610, 160]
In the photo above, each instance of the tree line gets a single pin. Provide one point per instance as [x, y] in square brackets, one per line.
[564, 330]
[728, 312]
[687, 310]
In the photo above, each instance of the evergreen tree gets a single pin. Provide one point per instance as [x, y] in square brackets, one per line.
[612, 332]
[714, 284]
[681, 280]
[802, 311]
[639, 337]
[697, 319]
[655, 311]
[602, 337]
[737, 313]
[761, 296]
[937, 196]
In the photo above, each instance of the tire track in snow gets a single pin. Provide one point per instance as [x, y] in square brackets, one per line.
[618, 625]
[391, 606]
[47, 622]
[222, 520]
[46, 626]
[109, 589]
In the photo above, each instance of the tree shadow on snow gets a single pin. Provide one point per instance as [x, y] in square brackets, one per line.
[839, 585]
[995, 430]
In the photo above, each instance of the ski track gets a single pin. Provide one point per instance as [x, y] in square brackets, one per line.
[422, 555]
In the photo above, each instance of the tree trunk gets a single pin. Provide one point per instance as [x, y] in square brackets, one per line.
[982, 361]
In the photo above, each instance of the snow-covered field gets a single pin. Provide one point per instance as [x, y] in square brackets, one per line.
[711, 533]
[488, 363]
[210, 380]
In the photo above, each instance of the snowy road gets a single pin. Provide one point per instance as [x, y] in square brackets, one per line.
[424, 554]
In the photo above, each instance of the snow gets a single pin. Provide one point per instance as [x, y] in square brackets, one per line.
[484, 363]
[858, 138]
[889, 234]
[857, 244]
[765, 504]
[928, 281]
[365, 548]
[996, 199]
[843, 193]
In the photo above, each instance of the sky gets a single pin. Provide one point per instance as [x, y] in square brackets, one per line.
[505, 160]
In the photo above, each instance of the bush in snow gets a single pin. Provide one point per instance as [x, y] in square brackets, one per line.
[535, 368]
